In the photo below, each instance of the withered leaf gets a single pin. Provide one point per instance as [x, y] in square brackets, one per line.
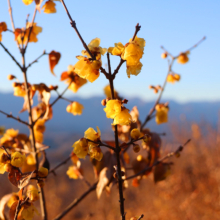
[14, 177]
[13, 210]
[25, 180]
[54, 58]
[104, 178]
[161, 171]
[3, 203]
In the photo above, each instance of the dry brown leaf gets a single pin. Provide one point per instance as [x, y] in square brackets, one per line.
[3, 203]
[161, 171]
[54, 58]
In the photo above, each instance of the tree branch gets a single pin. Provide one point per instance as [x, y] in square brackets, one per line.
[13, 58]
[15, 118]
[36, 60]
[75, 202]
[179, 149]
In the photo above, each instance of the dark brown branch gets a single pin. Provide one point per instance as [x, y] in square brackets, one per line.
[36, 60]
[149, 116]
[118, 67]
[12, 22]
[137, 28]
[179, 149]
[75, 202]
[17, 209]
[13, 58]
[102, 144]
[60, 164]
[140, 217]
[15, 118]
[31, 28]
[73, 24]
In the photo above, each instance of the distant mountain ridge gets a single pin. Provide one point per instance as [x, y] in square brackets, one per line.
[93, 114]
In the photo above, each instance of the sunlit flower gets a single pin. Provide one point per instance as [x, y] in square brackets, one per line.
[42, 172]
[123, 118]
[73, 172]
[27, 212]
[161, 113]
[96, 153]
[172, 78]
[3, 27]
[17, 159]
[32, 193]
[117, 50]
[92, 135]
[75, 108]
[81, 148]
[183, 58]
[27, 2]
[134, 69]
[113, 107]
[49, 7]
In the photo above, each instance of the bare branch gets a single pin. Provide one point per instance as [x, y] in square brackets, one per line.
[137, 28]
[75, 202]
[179, 149]
[142, 216]
[36, 60]
[15, 118]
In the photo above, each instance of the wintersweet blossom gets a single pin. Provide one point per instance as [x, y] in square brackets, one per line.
[113, 107]
[161, 113]
[75, 108]
[81, 148]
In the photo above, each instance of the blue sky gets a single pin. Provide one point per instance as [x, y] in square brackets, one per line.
[177, 25]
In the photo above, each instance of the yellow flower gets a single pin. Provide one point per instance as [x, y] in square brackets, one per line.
[123, 118]
[17, 159]
[92, 135]
[27, 212]
[39, 125]
[117, 50]
[161, 113]
[3, 27]
[42, 172]
[49, 7]
[107, 91]
[113, 107]
[2, 170]
[9, 135]
[32, 193]
[13, 199]
[75, 108]
[81, 148]
[27, 2]
[19, 33]
[183, 58]
[172, 78]
[134, 69]
[95, 49]
[87, 69]
[96, 153]
[133, 51]
[135, 133]
[73, 172]
[19, 89]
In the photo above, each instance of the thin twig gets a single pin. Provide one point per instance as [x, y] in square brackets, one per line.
[12, 22]
[179, 149]
[60, 164]
[137, 28]
[17, 209]
[13, 58]
[118, 67]
[36, 60]
[140, 217]
[31, 28]
[101, 144]
[15, 118]
[194, 46]
[75, 202]
[149, 116]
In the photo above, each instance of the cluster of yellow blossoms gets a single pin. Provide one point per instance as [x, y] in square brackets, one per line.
[172, 78]
[132, 52]
[86, 145]
[116, 111]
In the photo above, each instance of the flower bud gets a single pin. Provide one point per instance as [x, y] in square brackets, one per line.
[17, 159]
[11, 77]
[41, 183]
[103, 102]
[135, 133]
[136, 148]
[32, 193]
[43, 172]
[164, 55]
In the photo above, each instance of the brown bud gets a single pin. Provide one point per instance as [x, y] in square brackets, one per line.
[103, 102]
[136, 148]
[41, 183]
[11, 77]
[14, 84]
[53, 87]
[8, 167]
[125, 101]
[4, 158]
[164, 55]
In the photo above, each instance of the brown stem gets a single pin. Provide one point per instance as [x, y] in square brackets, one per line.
[60, 164]
[117, 151]
[29, 34]
[179, 149]
[33, 143]
[17, 209]
[6, 50]
[149, 116]
[75, 202]
[36, 60]
[12, 21]
[137, 28]
[194, 46]
[15, 118]
[118, 67]
[73, 24]
[102, 144]
[140, 217]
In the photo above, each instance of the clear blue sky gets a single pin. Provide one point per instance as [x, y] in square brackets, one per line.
[176, 25]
